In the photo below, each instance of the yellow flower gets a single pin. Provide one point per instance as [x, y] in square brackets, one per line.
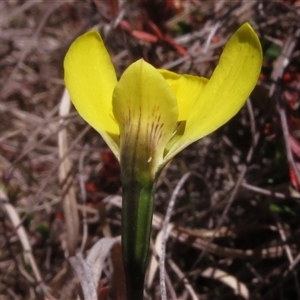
[149, 115]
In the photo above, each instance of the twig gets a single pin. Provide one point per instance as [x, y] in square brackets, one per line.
[279, 66]
[289, 255]
[268, 192]
[210, 36]
[83, 201]
[186, 283]
[165, 234]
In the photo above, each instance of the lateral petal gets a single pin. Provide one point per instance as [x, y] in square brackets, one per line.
[186, 88]
[227, 90]
[90, 79]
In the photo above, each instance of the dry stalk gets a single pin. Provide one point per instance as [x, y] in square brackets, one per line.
[69, 201]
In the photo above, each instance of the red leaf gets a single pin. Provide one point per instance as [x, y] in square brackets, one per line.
[144, 36]
[90, 187]
[293, 178]
[125, 25]
[176, 46]
[156, 30]
[59, 216]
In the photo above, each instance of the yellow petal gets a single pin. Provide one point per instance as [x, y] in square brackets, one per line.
[186, 88]
[227, 90]
[90, 79]
[146, 110]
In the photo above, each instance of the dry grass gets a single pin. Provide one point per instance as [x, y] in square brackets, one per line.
[234, 228]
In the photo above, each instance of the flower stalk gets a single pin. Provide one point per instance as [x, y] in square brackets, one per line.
[137, 212]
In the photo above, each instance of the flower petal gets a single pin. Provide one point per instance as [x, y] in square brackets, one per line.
[146, 110]
[90, 79]
[227, 90]
[186, 88]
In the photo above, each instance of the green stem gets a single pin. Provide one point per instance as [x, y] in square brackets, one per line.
[137, 211]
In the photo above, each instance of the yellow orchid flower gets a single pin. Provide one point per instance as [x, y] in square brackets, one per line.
[150, 115]
[157, 113]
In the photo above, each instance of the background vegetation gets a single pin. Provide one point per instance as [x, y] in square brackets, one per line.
[234, 227]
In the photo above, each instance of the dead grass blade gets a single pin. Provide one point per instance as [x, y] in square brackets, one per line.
[97, 256]
[69, 202]
[90, 269]
[231, 281]
[85, 276]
